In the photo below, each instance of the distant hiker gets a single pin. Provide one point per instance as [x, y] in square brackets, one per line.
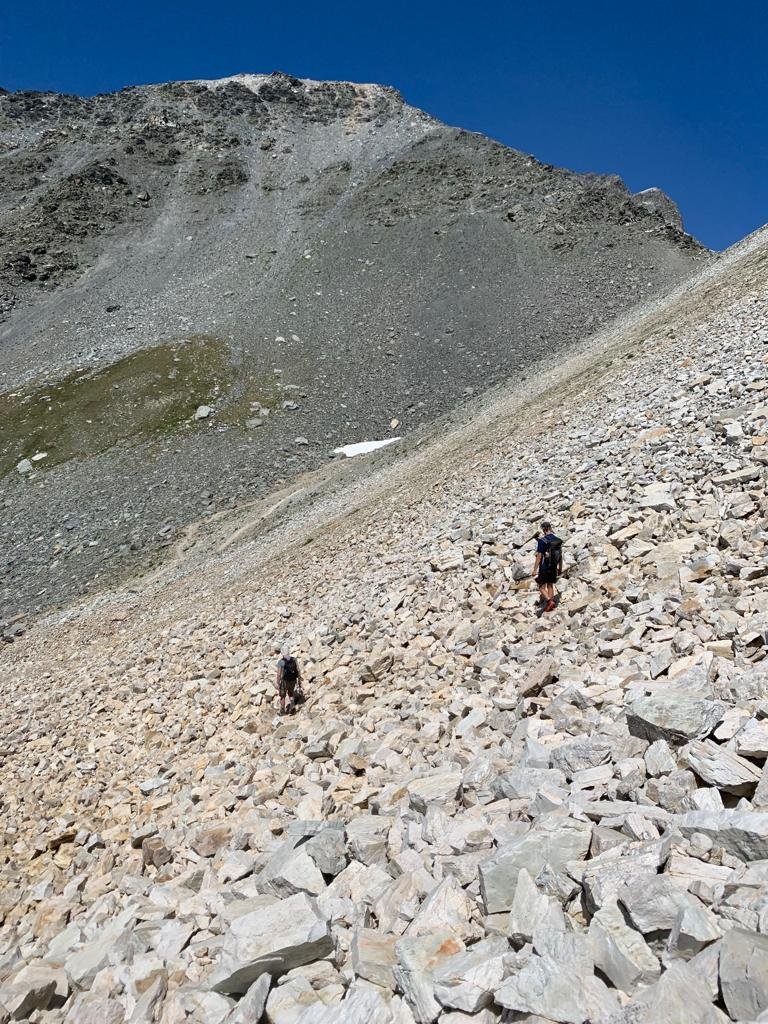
[288, 681]
[548, 566]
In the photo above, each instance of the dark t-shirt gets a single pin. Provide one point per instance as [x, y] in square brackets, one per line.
[541, 547]
[289, 676]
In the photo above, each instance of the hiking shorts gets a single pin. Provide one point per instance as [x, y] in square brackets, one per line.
[546, 575]
[286, 688]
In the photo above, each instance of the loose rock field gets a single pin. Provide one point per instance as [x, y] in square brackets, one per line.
[478, 815]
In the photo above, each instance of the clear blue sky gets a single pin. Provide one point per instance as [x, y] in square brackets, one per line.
[672, 94]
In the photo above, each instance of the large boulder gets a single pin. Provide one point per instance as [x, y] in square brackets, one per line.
[272, 940]
[620, 952]
[742, 833]
[556, 992]
[744, 973]
[673, 715]
[554, 840]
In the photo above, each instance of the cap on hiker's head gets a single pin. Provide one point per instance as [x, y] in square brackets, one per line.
[285, 650]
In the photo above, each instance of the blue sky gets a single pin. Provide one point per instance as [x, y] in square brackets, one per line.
[671, 94]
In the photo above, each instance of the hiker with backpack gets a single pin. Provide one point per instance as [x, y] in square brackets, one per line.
[548, 567]
[288, 682]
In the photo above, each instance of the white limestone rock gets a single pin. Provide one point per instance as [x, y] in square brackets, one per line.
[468, 980]
[720, 767]
[272, 940]
[251, 1006]
[417, 961]
[744, 973]
[557, 993]
[695, 928]
[742, 833]
[554, 840]
[673, 715]
[620, 952]
[532, 912]
[653, 902]
[678, 997]
[440, 787]
[373, 957]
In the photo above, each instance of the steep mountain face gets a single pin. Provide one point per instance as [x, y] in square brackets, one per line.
[478, 816]
[310, 261]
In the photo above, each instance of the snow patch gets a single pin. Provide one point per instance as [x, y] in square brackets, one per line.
[363, 447]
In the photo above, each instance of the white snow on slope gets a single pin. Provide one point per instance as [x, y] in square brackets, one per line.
[363, 447]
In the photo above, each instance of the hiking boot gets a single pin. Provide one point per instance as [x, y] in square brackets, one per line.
[550, 606]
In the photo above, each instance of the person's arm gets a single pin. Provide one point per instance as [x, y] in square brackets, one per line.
[537, 562]
[279, 674]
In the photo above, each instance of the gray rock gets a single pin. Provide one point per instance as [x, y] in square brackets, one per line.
[673, 715]
[741, 833]
[620, 952]
[554, 840]
[556, 992]
[328, 850]
[272, 940]
[744, 973]
[251, 1006]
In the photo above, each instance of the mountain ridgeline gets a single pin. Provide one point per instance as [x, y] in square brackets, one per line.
[314, 263]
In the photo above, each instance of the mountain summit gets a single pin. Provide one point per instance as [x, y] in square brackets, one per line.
[207, 287]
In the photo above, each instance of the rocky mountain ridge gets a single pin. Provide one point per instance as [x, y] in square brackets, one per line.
[310, 261]
[478, 816]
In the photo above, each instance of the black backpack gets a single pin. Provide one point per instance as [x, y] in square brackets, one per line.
[553, 553]
[290, 669]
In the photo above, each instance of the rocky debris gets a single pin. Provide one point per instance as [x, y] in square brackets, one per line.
[477, 814]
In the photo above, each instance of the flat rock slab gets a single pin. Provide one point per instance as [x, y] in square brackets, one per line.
[742, 833]
[273, 940]
[744, 973]
[557, 993]
[554, 840]
[673, 715]
[720, 767]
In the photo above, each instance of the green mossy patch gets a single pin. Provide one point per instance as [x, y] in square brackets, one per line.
[145, 396]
